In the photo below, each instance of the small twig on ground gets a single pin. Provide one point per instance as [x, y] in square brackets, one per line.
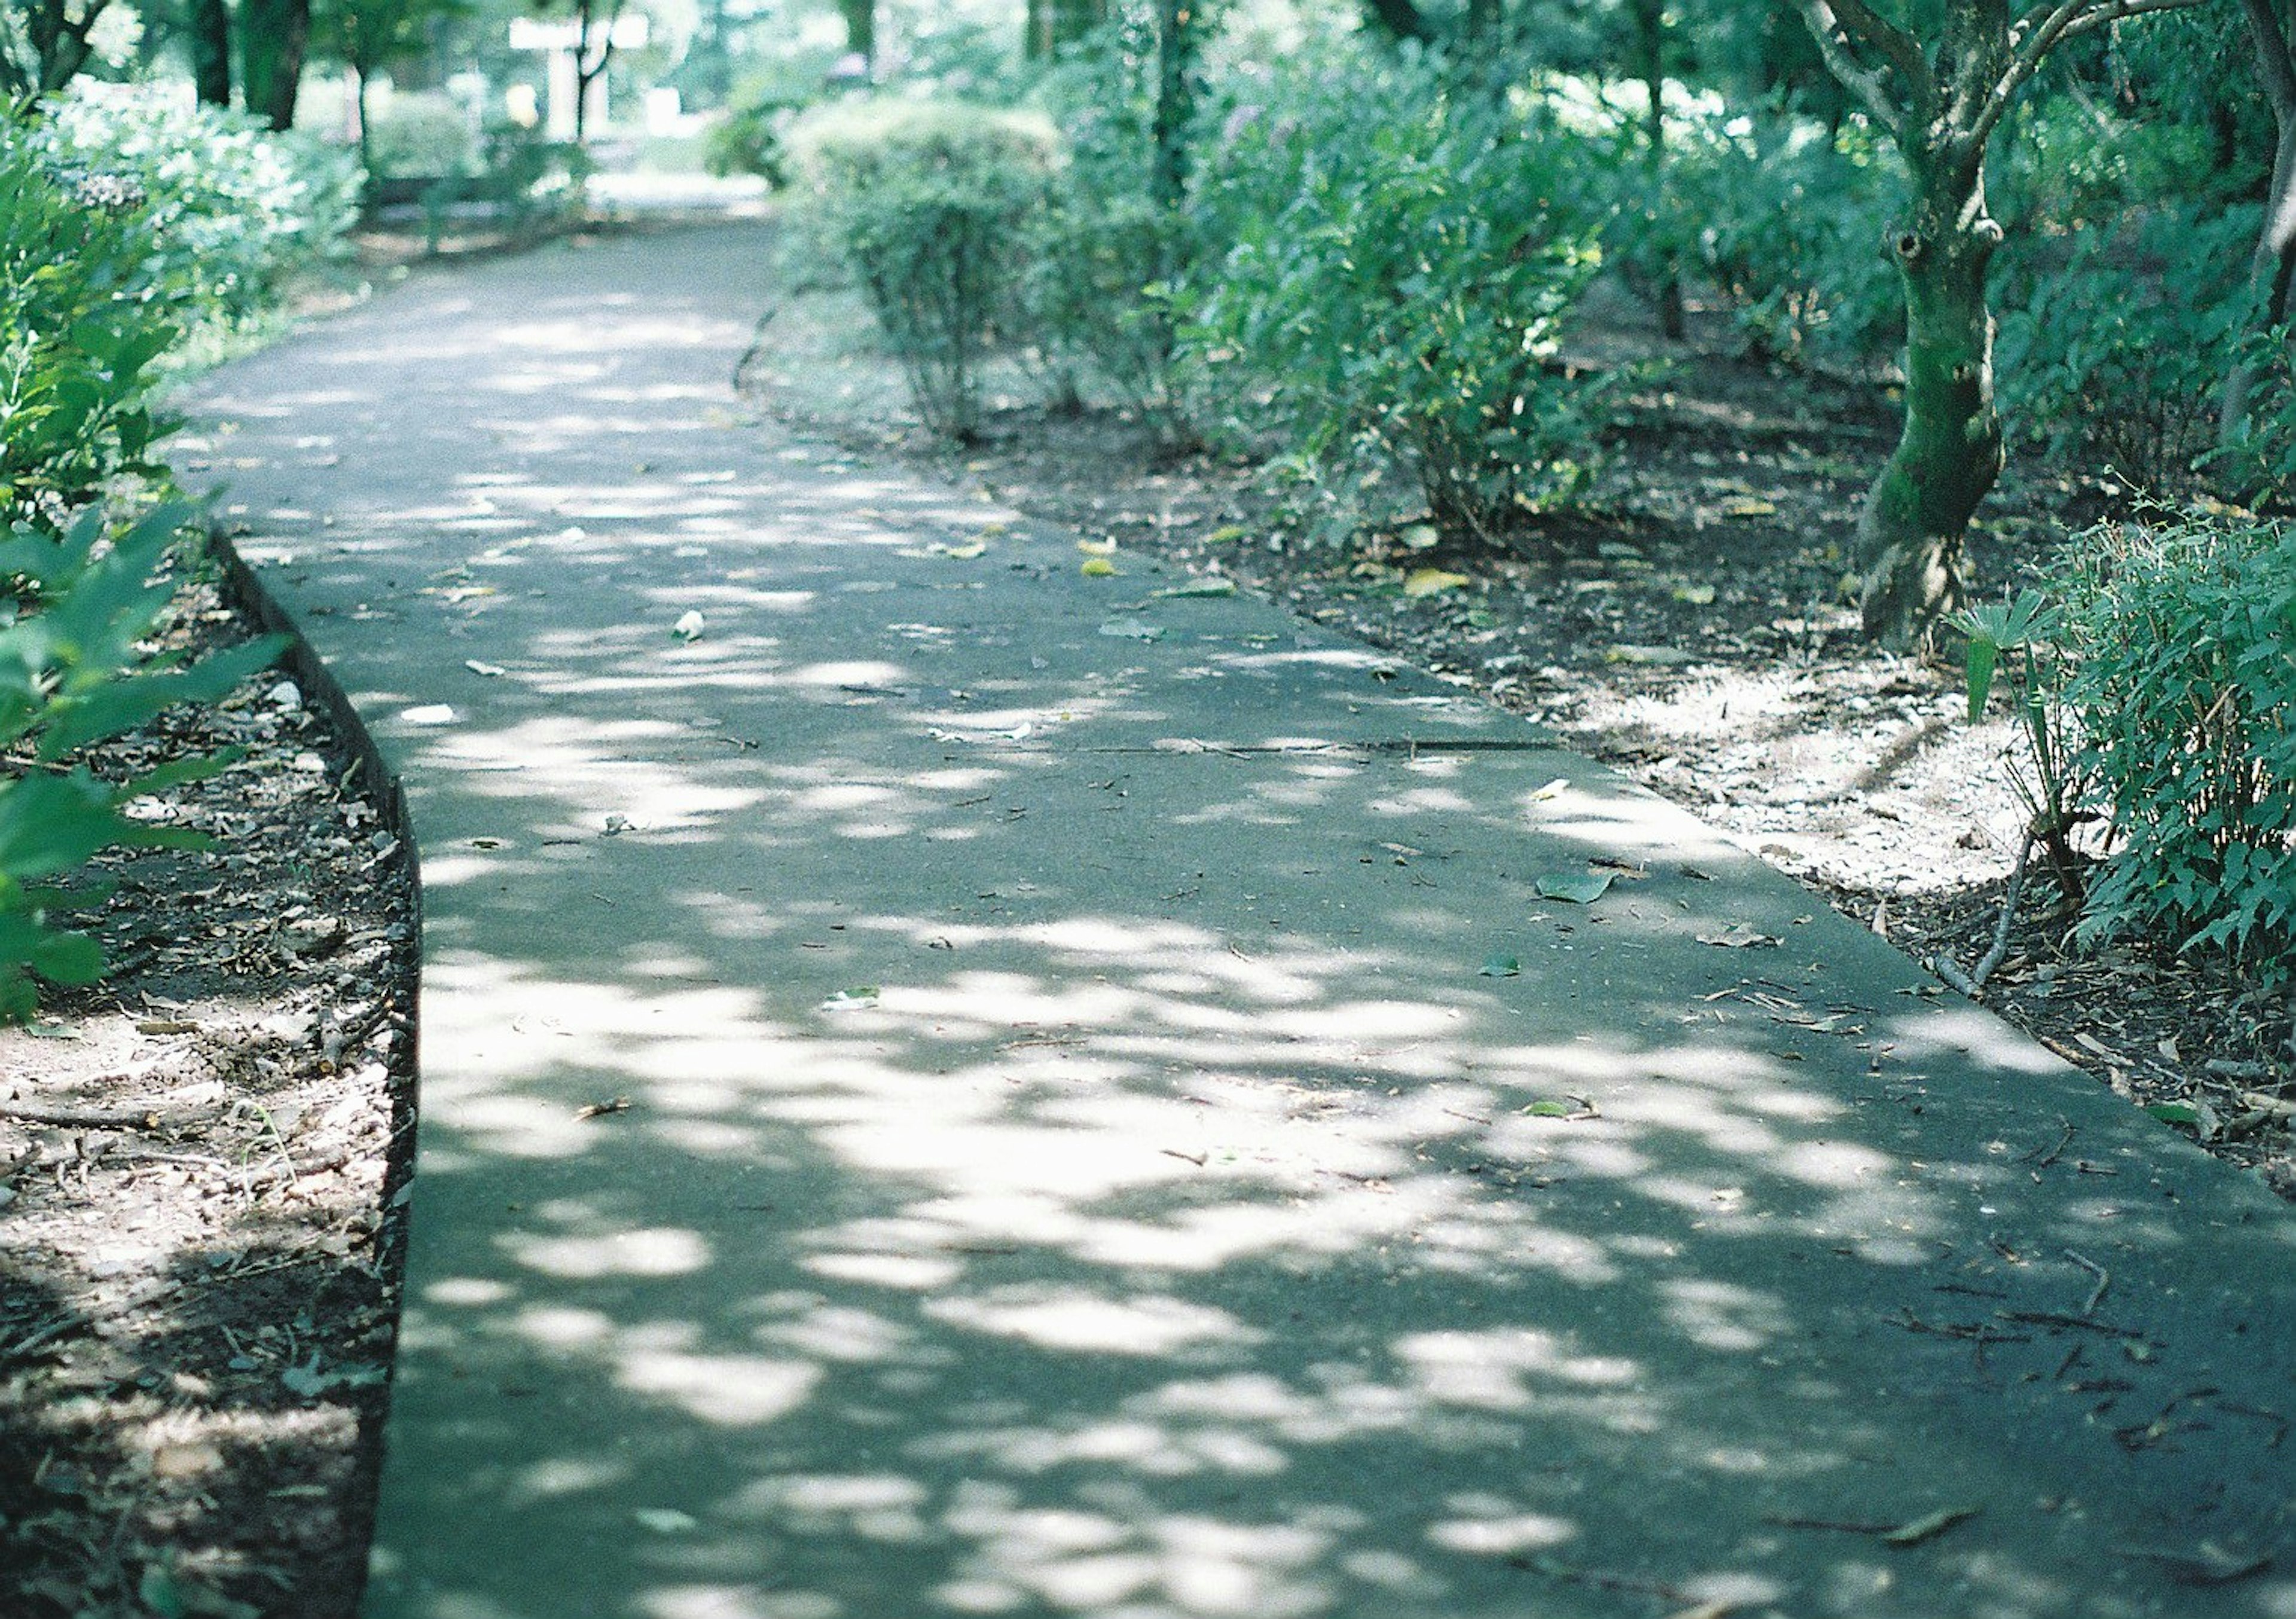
[2103, 1281]
[85, 1118]
[1972, 982]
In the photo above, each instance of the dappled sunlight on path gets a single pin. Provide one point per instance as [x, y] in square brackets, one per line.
[963, 1088]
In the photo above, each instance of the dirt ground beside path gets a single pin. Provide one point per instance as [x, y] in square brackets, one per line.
[1690, 627]
[197, 1281]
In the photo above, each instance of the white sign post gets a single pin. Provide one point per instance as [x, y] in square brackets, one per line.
[563, 48]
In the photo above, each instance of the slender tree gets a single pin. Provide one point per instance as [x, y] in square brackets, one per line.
[860, 29]
[44, 43]
[2272, 268]
[1940, 99]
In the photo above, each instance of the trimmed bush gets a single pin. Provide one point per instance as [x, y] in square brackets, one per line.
[230, 209]
[2184, 641]
[929, 204]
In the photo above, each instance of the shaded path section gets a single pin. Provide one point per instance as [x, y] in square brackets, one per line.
[969, 1089]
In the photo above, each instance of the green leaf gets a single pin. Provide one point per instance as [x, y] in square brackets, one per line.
[1573, 887]
[1502, 966]
[1984, 654]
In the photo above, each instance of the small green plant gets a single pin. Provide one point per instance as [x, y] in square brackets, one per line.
[2050, 779]
[929, 203]
[2182, 634]
[73, 674]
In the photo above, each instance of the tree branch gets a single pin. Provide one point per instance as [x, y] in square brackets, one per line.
[1837, 43]
[2272, 63]
[2042, 29]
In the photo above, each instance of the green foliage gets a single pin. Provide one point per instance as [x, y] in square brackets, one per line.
[230, 210]
[2184, 641]
[1101, 252]
[2052, 779]
[76, 340]
[421, 134]
[1789, 222]
[748, 140]
[930, 205]
[1398, 267]
[2115, 341]
[73, 674]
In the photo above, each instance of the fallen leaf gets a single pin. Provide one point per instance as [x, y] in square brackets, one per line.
[1573, 887]
[1929, 1527]
[1097, 548]
[962, 553]
[1552, 790]
[1625, 652]
[1739, 935]
[491, 670]
[1132, 629]
[689, 626]
[2210, 1564]
[1097, 568]
[1747, 506]
[1432, 581]
[1696, 595]
[1421, 536]
[1502, 967]
[849, 1000]
[590, 1110]
[1227, 535]
[1197, 587]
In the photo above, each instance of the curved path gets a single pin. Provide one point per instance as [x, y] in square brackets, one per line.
[1074, 1161]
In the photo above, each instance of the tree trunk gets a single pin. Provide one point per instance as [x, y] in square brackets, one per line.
[273, 36]
[860, 28]
[1649, 54]
[2274, 263]
[207, 25]
[1949, 452]
[2270, 272]
[1175, 62]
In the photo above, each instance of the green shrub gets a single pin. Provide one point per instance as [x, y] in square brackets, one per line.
[72, 674]
[748, 139]
[1789, 223]
[423, 135]
[231, 210]
[2184, 641]
[1399, 266]
[929, 204]
[76, 340]
[2115, 342]
[1099, 252]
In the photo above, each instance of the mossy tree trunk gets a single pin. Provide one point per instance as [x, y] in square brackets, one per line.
[1941, 93]
[1949, 450]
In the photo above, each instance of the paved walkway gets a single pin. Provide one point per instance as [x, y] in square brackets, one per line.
[1075, 1161]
